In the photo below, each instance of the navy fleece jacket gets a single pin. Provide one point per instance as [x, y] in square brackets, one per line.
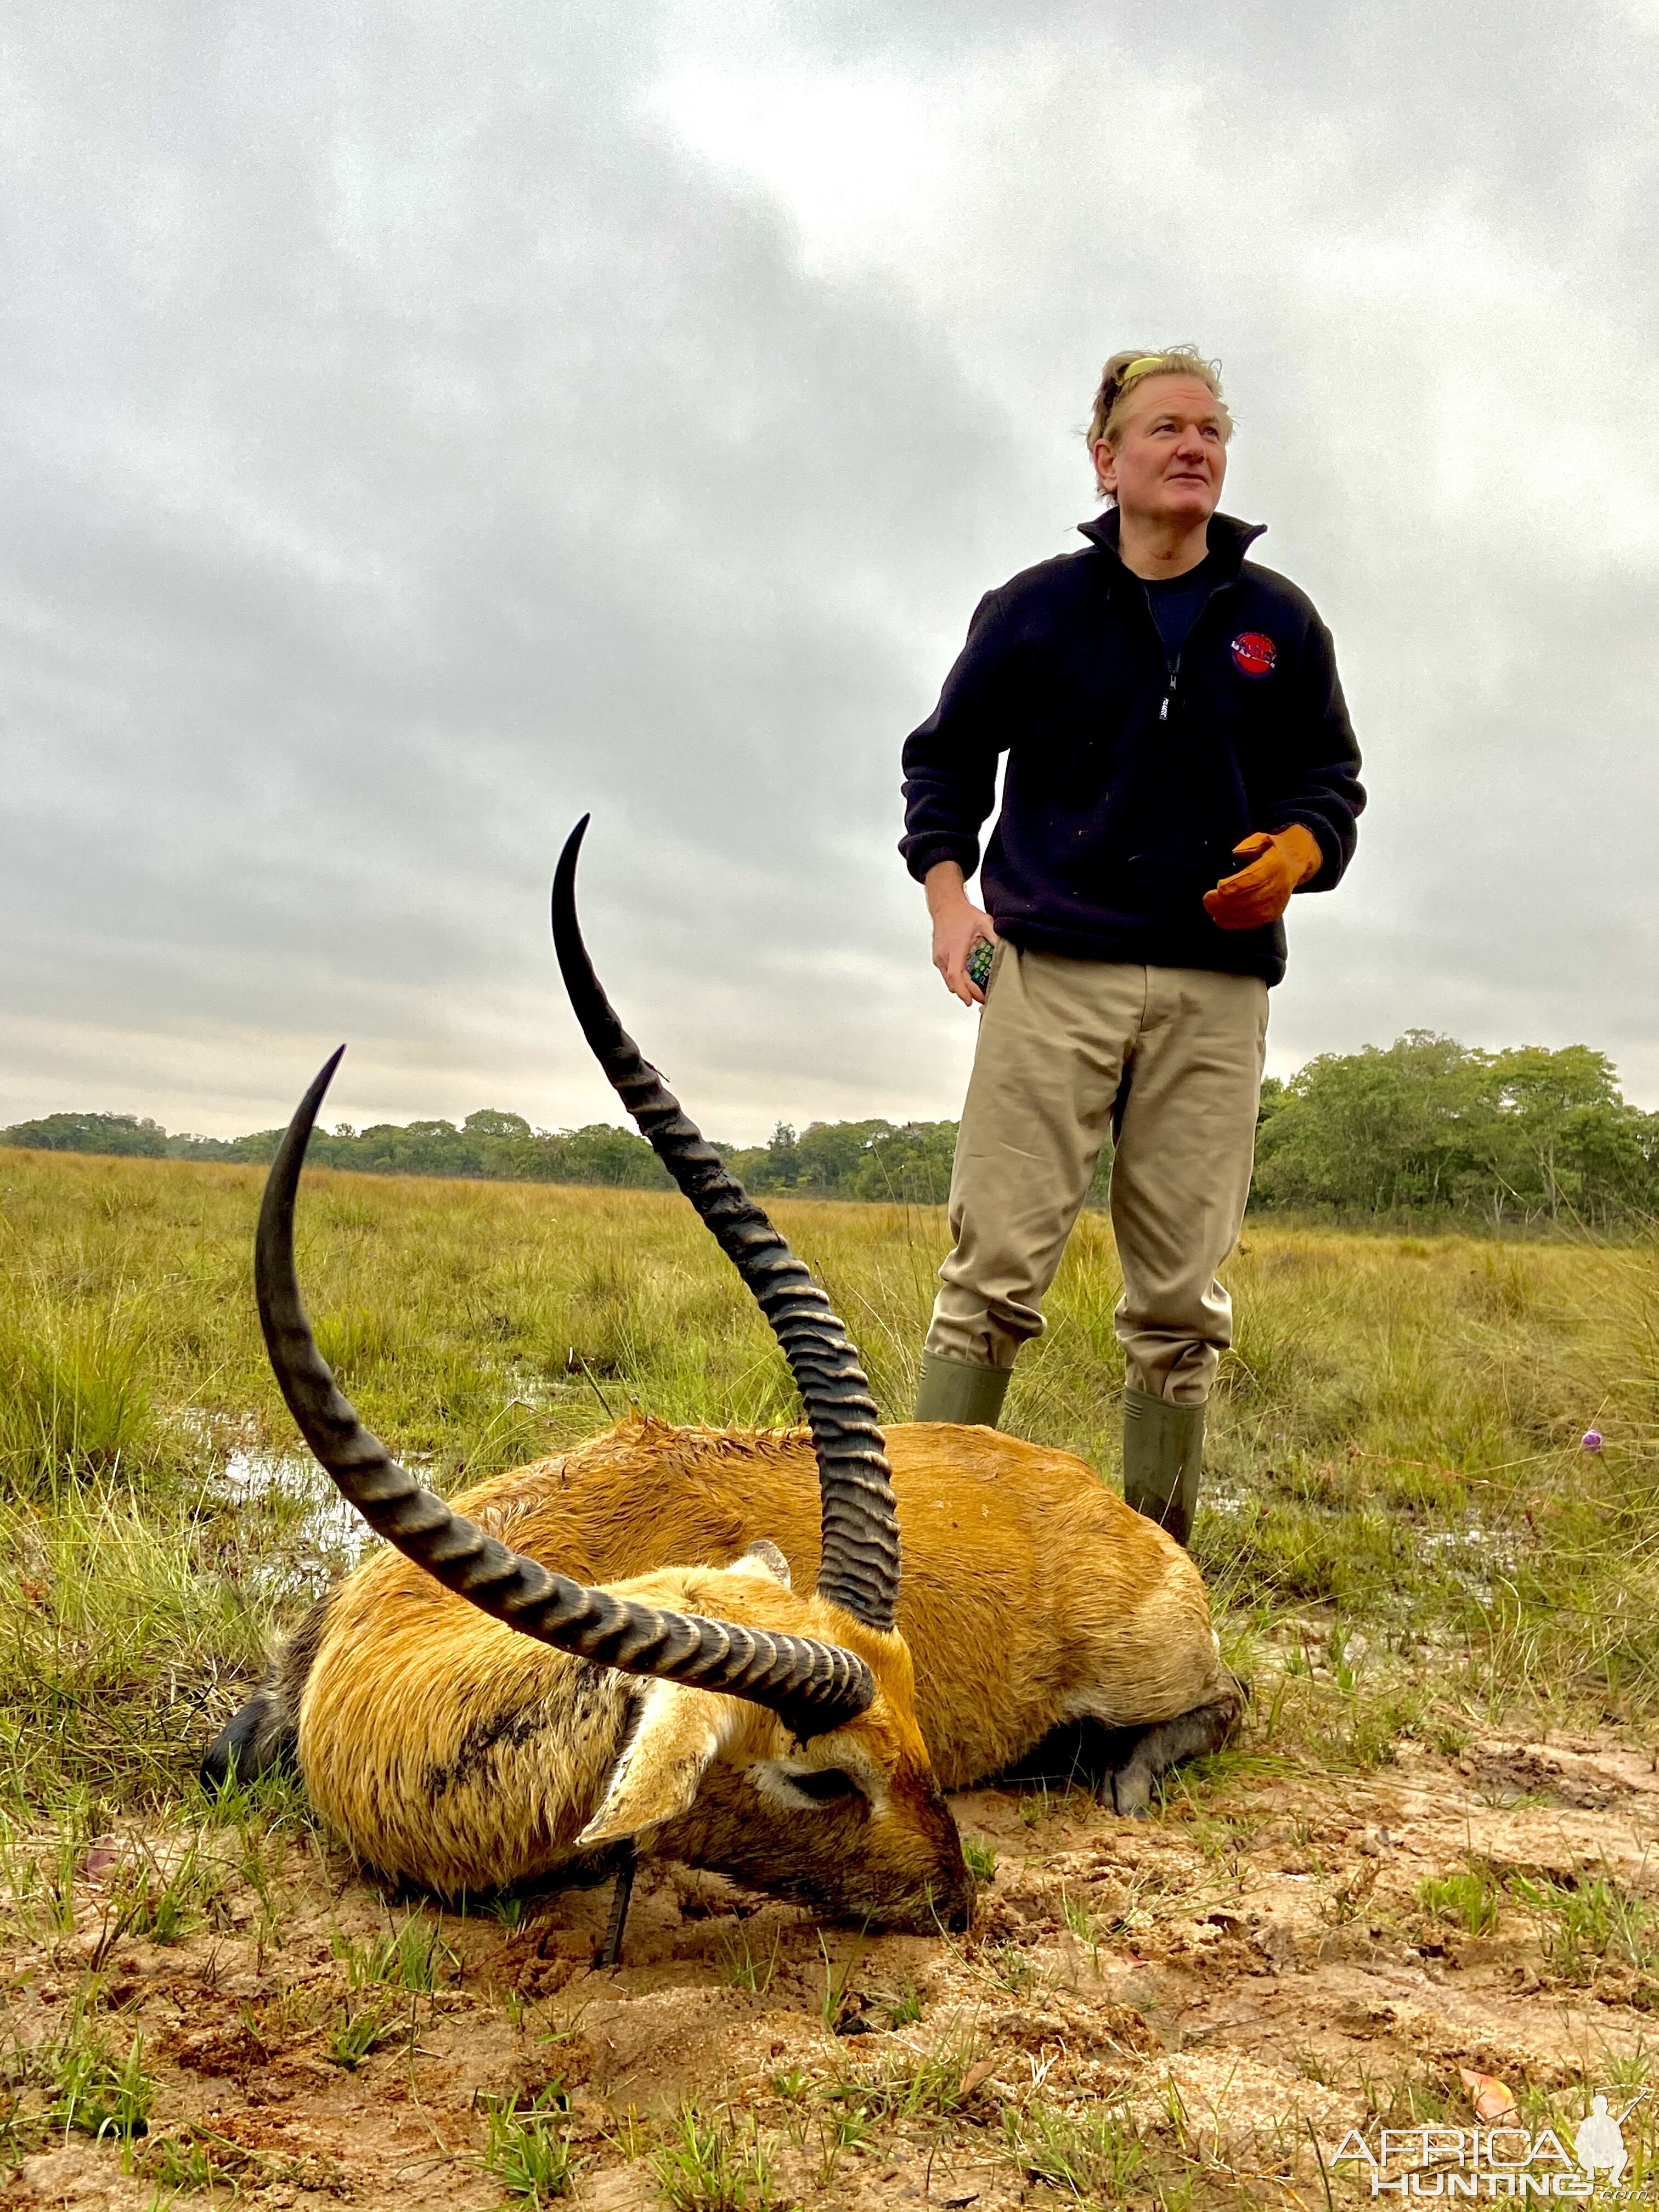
[1130, 774]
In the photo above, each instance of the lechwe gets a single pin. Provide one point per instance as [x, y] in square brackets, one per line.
[707, 1712]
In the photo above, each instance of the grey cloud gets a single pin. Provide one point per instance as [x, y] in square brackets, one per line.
[509, 466]
[414, 444]
[1464, 473]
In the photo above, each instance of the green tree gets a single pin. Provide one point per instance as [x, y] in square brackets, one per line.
[1543, 1097]
[123, 1134]
[602, 1154]
[1428, 1124]
[490, 1122]
[911, 1165]
[1378, 1128]
[830, 1155]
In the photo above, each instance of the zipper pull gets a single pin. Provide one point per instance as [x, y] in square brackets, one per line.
[1175, 677]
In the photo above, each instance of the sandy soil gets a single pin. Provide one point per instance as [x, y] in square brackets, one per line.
[1250, 1963]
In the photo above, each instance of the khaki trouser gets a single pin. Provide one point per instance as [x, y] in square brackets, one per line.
[1067, 1049]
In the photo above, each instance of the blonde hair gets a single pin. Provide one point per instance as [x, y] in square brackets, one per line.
[1124, 371]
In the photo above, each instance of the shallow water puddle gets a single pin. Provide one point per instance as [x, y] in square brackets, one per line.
[324, 1534]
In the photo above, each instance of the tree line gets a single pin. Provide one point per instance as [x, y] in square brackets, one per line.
[1428, 1125]
[836, 1159]
[1423, 1127]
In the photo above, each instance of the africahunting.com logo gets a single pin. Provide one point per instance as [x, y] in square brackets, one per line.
[1502, 2160]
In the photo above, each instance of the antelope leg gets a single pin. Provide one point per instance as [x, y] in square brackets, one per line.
[609, 1952]
[1156, 1749]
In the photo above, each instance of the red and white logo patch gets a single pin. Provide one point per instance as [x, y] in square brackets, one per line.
[1255, 653]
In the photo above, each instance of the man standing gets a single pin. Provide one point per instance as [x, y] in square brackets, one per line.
[1180, 761]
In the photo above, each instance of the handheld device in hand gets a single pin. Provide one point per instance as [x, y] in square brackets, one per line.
[978, 963]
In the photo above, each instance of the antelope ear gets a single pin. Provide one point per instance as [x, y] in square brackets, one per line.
[762, 1557]
[678, 1732]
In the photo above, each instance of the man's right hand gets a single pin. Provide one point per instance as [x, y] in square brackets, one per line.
[958, 924]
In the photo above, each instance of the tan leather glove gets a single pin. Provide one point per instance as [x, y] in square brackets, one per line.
[1278, 860]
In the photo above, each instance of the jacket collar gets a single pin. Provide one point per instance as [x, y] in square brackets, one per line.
[1230, 539]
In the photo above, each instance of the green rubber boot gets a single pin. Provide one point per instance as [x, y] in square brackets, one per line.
[952, 1390]
[1162, 1454]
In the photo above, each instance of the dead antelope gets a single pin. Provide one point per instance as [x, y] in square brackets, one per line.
[595, 1695]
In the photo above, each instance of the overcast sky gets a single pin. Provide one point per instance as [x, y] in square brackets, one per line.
[428, 424]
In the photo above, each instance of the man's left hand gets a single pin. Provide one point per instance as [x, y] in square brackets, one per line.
[1276, 862]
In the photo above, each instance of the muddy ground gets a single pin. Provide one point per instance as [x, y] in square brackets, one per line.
[1252, 1969]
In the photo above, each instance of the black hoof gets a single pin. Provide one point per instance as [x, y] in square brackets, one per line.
[228, 1752]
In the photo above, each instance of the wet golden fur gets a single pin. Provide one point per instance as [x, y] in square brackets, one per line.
[444, 1746]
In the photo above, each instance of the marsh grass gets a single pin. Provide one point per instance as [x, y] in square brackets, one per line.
[905, 2086]
[1393, 1460]
[1093, 2157]
[1586, 1925]
[164, 1893]
[73, 1396]
[838, 1980]
[1401, 1536]
[748, 1967]
[713, 2162]
[411, 1955]
[86, 2079]
[527, 2148]
[361, 2026]
[1468, 1898]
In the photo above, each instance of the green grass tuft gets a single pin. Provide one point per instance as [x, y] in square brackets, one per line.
[1469, 1898]
[713, 2163]
[528, 2150]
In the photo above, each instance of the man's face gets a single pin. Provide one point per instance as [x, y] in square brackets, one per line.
[1171, 454]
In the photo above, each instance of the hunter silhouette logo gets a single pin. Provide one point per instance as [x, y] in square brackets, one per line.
[1502, 2160]
[1600, 2141]
[1255, 653]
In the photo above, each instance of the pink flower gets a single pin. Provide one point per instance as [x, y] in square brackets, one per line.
[1592, 1440]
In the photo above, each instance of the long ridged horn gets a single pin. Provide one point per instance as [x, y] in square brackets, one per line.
[859, 1566]
[811, 1686]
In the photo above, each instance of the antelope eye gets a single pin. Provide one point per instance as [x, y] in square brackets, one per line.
[826, 1783]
